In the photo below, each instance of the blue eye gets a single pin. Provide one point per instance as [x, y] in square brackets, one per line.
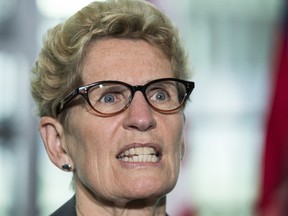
[160, 96]
[108, 98]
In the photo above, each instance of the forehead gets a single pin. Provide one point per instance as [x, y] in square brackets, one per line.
[125, 60]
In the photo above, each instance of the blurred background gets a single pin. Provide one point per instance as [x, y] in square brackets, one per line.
[233, 47]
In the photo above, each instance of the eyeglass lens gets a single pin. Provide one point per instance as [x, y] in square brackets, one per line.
[113, 97]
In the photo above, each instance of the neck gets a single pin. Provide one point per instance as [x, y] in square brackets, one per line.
[90, 205]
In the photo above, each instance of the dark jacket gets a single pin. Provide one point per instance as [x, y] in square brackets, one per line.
[68, 209]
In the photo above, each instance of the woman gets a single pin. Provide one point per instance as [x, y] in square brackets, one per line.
[110, 88]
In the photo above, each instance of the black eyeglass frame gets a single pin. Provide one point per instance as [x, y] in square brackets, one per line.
[84, 90]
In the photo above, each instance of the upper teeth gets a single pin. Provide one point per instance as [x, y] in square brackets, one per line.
[139, 154]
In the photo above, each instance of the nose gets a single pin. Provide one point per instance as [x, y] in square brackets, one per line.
[139, 115]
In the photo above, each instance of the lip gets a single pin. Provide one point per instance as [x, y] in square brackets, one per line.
[157, 151]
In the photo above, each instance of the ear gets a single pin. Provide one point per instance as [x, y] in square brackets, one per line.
[52, 134]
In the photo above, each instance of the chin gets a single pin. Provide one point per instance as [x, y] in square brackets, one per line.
[150, 189]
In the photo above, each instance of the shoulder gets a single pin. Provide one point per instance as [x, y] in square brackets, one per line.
[68, 209]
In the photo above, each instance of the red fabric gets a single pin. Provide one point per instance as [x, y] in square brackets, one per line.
[273, 200]
[188, 211]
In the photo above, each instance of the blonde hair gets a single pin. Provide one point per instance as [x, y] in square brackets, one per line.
[58, 68]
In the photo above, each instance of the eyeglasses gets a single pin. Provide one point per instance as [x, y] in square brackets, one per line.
[109, 98]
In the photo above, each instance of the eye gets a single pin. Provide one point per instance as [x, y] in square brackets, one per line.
[108, 98]
[112, 98]
[108, 94]
[159, 95]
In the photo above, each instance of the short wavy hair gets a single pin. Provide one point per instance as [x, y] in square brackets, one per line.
[58, 68]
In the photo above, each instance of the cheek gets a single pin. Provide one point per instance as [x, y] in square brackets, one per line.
[91, 142]
[83, 142]
[179, 146]
[88, 157]
[174, 134]
[177, 135]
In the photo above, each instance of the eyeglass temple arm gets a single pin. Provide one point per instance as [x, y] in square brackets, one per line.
[66, 101]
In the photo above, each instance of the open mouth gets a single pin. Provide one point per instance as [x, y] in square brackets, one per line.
[139, 154]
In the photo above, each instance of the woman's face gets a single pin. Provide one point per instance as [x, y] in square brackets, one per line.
[98, 145]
